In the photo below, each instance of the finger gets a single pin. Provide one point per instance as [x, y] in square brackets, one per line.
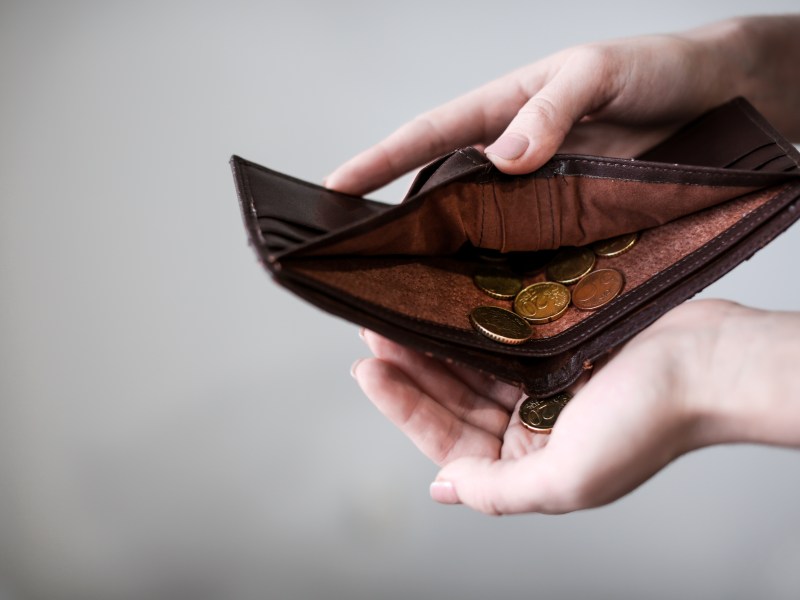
[437, 381]
[473, 118]
[437, 432]
[545, 479]
[579, 87]
[504, 394]
[602, 447]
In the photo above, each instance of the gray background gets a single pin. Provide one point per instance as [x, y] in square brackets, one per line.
[174, 425]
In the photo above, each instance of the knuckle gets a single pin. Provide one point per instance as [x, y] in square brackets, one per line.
[597, 57]
[542, 115]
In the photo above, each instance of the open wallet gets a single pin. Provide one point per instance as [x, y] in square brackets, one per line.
[702, 201]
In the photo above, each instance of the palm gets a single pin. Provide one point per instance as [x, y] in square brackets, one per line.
[626, 422]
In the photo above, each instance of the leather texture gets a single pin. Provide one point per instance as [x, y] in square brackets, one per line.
[704, 200]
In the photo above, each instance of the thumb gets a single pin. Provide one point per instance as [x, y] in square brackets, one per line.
[539, 128]
[497, 487]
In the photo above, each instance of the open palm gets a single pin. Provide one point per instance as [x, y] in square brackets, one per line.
[626, 421]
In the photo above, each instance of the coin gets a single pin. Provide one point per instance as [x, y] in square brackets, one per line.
[570, 264]
[500, 325]
[542, 302]
[498, 283]
[616, 245]
[597, 289]
[541, 415]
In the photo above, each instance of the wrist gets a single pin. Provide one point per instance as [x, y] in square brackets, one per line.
[755, 57]
[747, 389]
[729, 57]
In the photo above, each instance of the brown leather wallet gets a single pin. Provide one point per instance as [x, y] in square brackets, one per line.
[704, 200]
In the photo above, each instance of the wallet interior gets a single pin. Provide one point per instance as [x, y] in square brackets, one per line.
[411, 266]
[439, 291]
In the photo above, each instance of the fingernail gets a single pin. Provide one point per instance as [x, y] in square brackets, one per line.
[362, 333]
[508, 147]
[325, 181]
[354, 367]
[444, 492]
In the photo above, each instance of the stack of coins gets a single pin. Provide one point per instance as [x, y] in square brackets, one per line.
[544, 302]
[547, 301]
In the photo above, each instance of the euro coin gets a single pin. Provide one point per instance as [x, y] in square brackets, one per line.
[542, 302]
[597, 289]
[500, 325]
[541, 415]
[570, 264]
[498, 283]
[616, 245]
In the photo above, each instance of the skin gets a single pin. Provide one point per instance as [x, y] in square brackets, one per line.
[708, 372]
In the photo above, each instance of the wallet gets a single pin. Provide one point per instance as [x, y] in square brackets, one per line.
[703, 200]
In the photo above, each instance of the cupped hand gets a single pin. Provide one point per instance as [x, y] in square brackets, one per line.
[640, 409]
[611, 99]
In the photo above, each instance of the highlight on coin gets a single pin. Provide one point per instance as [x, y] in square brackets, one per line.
[542, 302]
[498, 283]
[616, 245]
[500, 325]
[570, 264]
[541, 415]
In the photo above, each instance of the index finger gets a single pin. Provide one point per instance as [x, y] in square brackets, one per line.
[469, 119]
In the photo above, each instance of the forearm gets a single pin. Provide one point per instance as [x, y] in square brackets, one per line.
[754, 377]
[759, 58]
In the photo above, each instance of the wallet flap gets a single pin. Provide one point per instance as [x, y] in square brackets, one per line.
[283, 212]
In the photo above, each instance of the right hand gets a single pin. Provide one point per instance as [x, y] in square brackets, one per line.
[707, 372]
[615, 98]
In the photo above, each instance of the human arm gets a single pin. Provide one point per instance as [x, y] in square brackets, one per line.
[708, 372]
[613, 98]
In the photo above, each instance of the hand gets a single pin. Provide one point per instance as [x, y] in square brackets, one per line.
[615, 98]
[673, 388]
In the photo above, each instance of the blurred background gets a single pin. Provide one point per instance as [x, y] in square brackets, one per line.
[174, 425]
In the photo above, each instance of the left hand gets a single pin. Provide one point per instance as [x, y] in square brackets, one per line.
[639, 410]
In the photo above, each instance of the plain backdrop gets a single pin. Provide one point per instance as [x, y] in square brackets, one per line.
[174, 425]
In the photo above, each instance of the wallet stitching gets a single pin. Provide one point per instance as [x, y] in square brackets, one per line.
[681, 169]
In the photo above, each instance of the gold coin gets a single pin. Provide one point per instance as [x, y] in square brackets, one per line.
[541, 415]
[498, 283]
[597, 289]
[542, 302]
[500, 325]
[616, 245]
[570, 264]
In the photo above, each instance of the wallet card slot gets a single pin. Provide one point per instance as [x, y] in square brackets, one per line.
[741, 161]
[719, 138]
[296, 231]
[268, 194]
[760, 158]
[778, 164]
